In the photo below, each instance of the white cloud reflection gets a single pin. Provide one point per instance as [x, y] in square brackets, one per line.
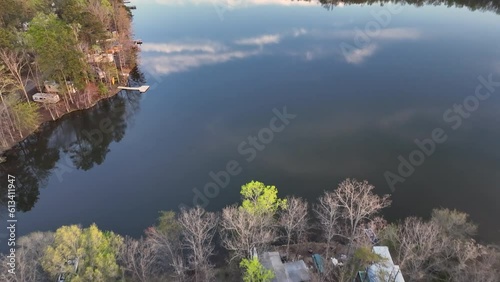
[208, 47]
[357, 56]
[260, 40]
[371, 41]
[179, 56]
[168, 64]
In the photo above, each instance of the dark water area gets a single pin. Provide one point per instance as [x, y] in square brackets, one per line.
[362, 84]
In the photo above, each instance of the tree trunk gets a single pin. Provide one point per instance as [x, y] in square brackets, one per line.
[10, 118]
[288, 246]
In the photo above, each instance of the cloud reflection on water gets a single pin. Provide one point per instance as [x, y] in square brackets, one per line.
[179, 56]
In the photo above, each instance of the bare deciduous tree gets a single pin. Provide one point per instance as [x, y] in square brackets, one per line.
[170, 252]
[28, 259]
[357, 204]
[485, 268]
[419, 244]
[7, 84]
[198, 230]
[17, 62]
[242, 231]
[328, 213]
[293, 219]
[140, 259]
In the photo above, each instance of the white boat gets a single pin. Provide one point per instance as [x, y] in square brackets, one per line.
[46, 98]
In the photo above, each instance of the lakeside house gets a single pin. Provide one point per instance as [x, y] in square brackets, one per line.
[53, 87]
[100, 58]
[384, 271]
[295, 271]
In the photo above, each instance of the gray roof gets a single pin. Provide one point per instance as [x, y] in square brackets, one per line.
[297, 271]
[385, 270]
[285, 272]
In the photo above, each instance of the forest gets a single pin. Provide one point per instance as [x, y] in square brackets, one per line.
[76, 49]
[199, 245]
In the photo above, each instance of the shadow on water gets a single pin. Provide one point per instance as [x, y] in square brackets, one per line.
[79, 140]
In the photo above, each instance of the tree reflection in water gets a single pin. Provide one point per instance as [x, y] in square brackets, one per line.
[78, 138]
[473, 5]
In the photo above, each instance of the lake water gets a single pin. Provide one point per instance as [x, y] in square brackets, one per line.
[359, 84]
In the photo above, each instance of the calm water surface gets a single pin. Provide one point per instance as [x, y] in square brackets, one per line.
[218, 71]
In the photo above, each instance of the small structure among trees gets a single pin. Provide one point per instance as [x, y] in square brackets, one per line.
[295, 271]
[382, 270]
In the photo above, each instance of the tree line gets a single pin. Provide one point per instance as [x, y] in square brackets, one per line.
[473, 5]
[199, 245]
[65, 42]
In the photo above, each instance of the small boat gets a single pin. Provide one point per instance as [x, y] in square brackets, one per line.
[46, 98]
[2, 159]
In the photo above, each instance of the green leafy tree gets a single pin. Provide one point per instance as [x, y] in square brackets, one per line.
[365, 256]
[7, 38]
[454, 223]
[96, 252]
[56, 50]
[254, 271]
[26, 116]
[253, 224]
[88, 27]
[168, 224]
[102, 89]
[10, 12]
[259, 198]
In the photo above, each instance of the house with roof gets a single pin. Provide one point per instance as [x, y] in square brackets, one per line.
[295, 271]
[383, 271]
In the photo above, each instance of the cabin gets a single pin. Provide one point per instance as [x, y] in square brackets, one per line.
[382, 271]
[101, 58]
[295, 271]
[46, 98]
[53, 87]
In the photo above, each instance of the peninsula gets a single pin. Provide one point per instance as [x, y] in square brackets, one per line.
[57, 57]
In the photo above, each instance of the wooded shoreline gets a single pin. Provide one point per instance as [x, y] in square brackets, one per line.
[328, 237]
[76, 51]
[45, 118]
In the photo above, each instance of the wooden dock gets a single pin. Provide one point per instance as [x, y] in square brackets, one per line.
[141, 89]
